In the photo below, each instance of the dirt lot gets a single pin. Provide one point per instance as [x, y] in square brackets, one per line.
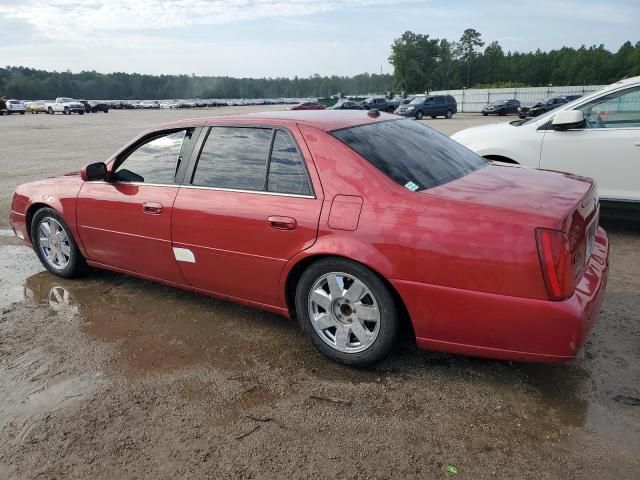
[113, 377]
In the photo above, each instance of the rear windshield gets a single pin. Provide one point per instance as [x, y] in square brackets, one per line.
[410, 153]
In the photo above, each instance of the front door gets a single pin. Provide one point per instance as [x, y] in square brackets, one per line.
[607, 149]
[247, 208]
[126, 222]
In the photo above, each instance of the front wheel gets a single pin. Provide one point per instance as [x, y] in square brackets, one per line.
[419, 115]
[449, 114]
[55, 246]
[347, 312]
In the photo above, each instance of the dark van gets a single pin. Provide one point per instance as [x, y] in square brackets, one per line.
[429, 105]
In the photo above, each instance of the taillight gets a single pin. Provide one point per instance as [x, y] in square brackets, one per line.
[556, 264]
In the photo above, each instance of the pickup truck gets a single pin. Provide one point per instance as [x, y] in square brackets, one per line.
[381, 104]
[65, 105]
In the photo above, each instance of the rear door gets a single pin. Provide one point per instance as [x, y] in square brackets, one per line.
[126, 222]
[607, 149]
[247, 206]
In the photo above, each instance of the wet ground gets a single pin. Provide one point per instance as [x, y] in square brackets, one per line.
[114, 377]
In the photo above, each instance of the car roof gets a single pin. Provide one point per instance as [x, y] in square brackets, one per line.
[326, 120]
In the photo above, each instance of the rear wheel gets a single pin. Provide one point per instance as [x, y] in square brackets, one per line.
[434, 116]
[449, 114]
[55, 246]
[50, 111]
[347, 312]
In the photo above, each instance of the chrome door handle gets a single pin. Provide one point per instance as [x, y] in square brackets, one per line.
[282, 223]
[152, 208]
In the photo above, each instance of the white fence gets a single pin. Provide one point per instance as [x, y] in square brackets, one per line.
[472, 100]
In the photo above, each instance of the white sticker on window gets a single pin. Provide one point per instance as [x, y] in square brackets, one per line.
[411, 186]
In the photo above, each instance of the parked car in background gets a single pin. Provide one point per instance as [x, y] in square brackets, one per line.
[322, 216]
[150, 104]
[14, 106]
[308, 106]
[429, 105]
[36, 106]
[98, 106]
[501, 107]
[539, 107]
[66, 106]
[87, 106]
[3, 106]
[346, 105]
[595, 136]
[381, 104]
[571, 98]
[171, 105]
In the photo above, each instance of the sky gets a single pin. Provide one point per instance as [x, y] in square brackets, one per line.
[271, 38]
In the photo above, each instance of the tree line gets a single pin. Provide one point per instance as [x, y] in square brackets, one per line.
[420, 63]
[28, 83]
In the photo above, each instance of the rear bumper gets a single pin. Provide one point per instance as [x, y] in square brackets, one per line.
[509, 328]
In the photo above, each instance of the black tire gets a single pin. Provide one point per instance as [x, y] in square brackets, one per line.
[419, 115]
[76, 266]
[22, 113]
[106, 110]
[50, 111]
[81, 112]
[484, 114]
[389, 318]
[434, 116]
[449, 114]
[67, 111]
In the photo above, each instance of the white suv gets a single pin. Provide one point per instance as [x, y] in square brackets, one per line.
[595, 136]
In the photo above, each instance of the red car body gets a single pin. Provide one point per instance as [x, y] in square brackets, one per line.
[308, 106]
[464, 257]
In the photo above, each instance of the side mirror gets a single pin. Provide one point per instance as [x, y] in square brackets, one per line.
[568, 120]
[94, 171]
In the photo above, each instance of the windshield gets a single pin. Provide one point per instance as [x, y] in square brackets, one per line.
[66, 100]
[410, 153]
[416, 101]
[499, 102]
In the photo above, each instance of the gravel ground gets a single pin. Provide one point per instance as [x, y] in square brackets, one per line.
[114, 377]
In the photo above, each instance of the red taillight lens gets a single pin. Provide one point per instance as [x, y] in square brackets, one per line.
[555, 261]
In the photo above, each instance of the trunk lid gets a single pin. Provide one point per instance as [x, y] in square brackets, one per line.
[553, 200]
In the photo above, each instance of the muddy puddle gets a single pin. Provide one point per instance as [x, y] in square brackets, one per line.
[109, 354]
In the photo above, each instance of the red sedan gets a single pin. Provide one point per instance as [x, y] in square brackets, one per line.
[308, 106]
[351, 222]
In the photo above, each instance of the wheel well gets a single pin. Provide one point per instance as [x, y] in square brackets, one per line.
[31, 212]
[300, 267]
[500, 158]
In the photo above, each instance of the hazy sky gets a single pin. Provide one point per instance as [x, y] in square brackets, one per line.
[257, 38]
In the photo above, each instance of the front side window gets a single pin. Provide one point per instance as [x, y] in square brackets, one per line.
[155, 161]
[235, 158]
[616, 110]
[410, 153]
[287, 173]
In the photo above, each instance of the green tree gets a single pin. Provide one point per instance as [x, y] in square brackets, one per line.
[469, 42]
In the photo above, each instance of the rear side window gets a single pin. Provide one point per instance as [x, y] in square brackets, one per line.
[234, 157]
[410, 153]
[287, 173]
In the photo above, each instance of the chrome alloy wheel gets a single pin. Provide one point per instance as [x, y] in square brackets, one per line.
[53, 242]
[344, 312]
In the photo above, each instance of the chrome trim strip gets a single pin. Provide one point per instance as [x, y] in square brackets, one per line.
[196, 187]
[258, 192]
